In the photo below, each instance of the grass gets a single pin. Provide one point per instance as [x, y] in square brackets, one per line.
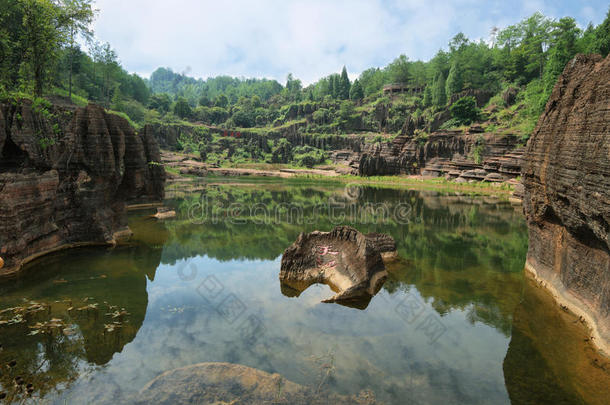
[394, 182]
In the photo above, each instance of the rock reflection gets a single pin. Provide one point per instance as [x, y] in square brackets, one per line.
[82, 307]
[550, 359]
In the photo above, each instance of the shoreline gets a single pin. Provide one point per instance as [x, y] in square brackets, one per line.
[11, 273]
[573, 305]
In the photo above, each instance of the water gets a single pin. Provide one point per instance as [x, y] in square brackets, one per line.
[456, 322]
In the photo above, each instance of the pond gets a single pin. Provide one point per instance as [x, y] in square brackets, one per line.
[456, 321]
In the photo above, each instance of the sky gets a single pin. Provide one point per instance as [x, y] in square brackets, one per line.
[308, 38]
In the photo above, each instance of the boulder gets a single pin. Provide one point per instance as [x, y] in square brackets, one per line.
[344, 259]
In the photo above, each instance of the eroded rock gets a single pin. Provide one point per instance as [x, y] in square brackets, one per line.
[346, 260]
[65, 177]
[566, 178]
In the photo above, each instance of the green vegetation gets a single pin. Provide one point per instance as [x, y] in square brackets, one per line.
[465, 110]
[40, 56]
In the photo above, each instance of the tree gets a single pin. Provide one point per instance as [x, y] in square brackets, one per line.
[356, 93]
[439, 96]
[221, 101]
[110, 65]
[76, 16]
[42, 40]
[455, 80]
[465, 110]
[160, 102]
[204, 101]
[399, 70]
[427, 96]
[182, 108]
[602, 36]
[344, 85]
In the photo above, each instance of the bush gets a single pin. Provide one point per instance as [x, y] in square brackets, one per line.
[465, 110]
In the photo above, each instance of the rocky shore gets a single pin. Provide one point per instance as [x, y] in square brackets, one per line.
[566, 176]
[65, 177]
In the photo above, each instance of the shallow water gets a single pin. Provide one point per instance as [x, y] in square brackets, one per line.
[204, 288]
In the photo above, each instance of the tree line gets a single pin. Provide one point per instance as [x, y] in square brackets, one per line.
[41, 53]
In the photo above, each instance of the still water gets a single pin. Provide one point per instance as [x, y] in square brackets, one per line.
[456, 322]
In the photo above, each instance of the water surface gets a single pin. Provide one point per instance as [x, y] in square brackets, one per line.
[97, 324]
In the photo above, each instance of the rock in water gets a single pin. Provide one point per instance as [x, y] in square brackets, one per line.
[226, 383]
[566, 176]
[344, 259]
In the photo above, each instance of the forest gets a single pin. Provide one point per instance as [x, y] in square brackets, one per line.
[47, 49]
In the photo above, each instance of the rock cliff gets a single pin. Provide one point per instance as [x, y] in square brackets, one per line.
[65, 176]
[566, 176]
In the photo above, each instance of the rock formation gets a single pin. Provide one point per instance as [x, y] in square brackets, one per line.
[65, 176]
[566, 175]
[449, 154]
[344, 259]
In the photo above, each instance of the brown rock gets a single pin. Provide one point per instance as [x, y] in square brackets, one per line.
[68, 187]
[345, 259]
[566, 176]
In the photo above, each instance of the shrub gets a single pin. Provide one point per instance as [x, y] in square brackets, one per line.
[465, 110]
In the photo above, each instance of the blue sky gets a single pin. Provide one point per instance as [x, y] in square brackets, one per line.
[309, 38]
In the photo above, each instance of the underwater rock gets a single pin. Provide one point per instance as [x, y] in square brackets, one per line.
[346, 260]
[226, 383]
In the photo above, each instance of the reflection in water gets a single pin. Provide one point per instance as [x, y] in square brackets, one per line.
[207, 292]
[73, 308]
[550, 359]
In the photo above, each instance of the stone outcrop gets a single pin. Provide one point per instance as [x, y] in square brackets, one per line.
[449, 154]
[346, 260]
[65, 178]
[566, 175]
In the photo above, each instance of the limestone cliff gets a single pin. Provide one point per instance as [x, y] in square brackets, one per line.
[65, 176]
[566, 176]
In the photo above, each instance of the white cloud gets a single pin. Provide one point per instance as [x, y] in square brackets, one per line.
[310, 38]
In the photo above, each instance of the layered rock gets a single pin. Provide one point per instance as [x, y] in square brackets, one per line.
[449, 154]
[66, 176]
[345, 259]
[566, 176]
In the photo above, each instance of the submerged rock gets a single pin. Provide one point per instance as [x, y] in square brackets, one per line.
[348, 261]
[566, 178]
[226, 383]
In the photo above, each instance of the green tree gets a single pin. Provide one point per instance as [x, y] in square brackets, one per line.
[221, 101]
[344, 85]
[602, 36]
[455, 80]
[465, 110]
[182, 108]
[439, 96]
[76, 16]
[356, 92]
[427, 96]
[160, 102]
[42, 40]
[399, 70]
